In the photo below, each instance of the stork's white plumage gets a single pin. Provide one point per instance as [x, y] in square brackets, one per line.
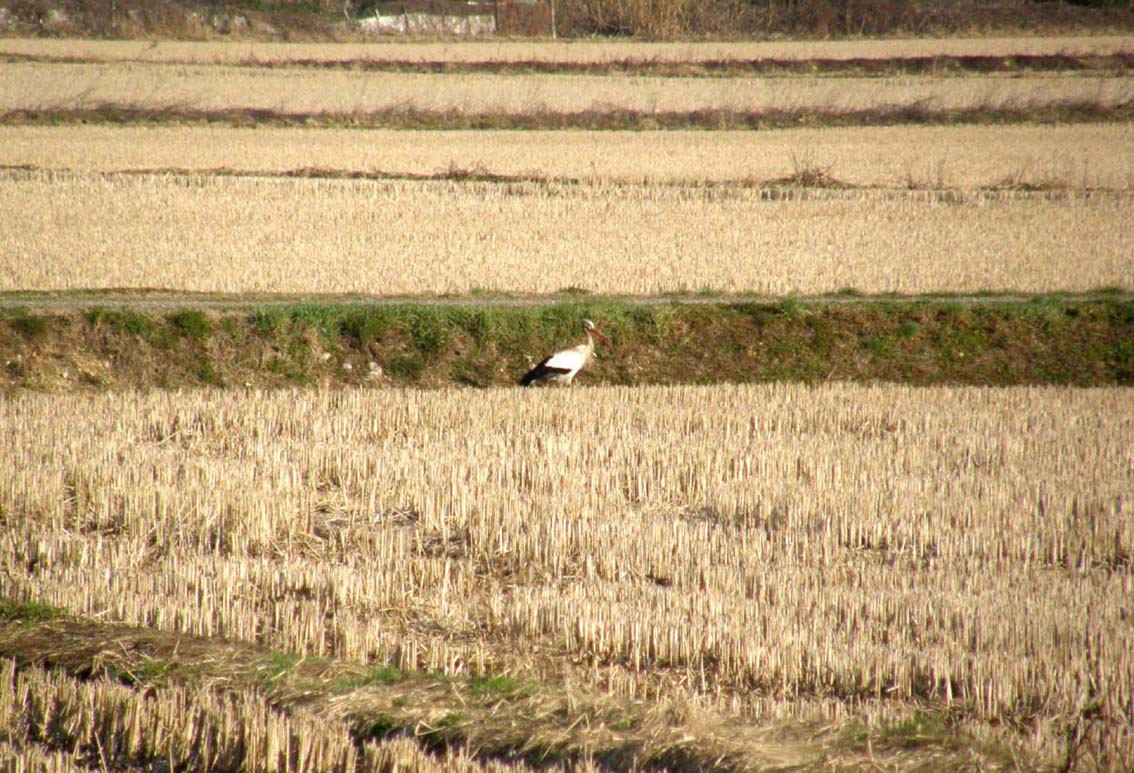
[561, 367]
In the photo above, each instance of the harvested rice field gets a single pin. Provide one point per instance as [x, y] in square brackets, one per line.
[154, 87]
[267, 501]
[856, 564]
[72, 231]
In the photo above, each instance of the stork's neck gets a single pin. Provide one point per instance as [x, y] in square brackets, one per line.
[589, 347]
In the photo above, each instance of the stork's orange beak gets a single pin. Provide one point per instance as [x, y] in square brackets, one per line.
[598, 334]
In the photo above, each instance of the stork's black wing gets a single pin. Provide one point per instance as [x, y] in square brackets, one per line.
[542, 372]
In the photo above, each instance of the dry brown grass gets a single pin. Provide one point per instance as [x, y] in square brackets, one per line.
[200, 87]
[69, 231]
[1071, 157]
[761, 551]
[185, 52]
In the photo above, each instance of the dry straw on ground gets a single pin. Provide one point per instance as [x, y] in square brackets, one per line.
[765, 551]
[53, 722]
[73, 231]
[1069, 157]
[568, 51]
[40, 86]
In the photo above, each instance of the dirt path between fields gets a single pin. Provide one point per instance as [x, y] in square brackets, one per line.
[79, 302]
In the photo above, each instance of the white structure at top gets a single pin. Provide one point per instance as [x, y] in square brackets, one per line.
[430, 24]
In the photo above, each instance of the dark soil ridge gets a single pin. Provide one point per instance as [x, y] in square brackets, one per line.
[921, 113]
[941, 65]
[1044, 340]
[808, 182]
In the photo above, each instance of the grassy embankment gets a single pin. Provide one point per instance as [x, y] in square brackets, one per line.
[1042, 340]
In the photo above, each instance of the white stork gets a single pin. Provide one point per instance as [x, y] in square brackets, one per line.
[561, 367]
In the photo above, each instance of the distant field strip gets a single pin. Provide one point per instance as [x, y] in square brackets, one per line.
[1113, 64]
[581, 51]
[201, 88]
[75, 231]
[762, 551]
[1073, 157]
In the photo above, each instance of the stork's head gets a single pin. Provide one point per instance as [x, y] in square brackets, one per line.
[589, 327]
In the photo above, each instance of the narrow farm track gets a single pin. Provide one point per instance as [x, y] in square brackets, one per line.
[159, 300]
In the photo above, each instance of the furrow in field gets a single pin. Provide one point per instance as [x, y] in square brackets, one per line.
[1080, 157]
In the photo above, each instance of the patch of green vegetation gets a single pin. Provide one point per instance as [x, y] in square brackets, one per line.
[790, 306]
[954, 309]
[452, 719]
[364, 323]
[623, 722]
[1043, 307]
[231, 327]
[154, 670]
[500, 685]
[1120, 360]
[473, 371]
[162, 338]
[877, 346]
[384, 675]
[207, 373]
[289, 369]
[479, 324]
[191, 323]
[853, 735]
[407, 368]
[429, 332]
[278, 664]
[120, 321]
[824, 332]
[135, 324]
[909, 329]
[28, 612]
[267, 319]
[922, 728]
[29, 325]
